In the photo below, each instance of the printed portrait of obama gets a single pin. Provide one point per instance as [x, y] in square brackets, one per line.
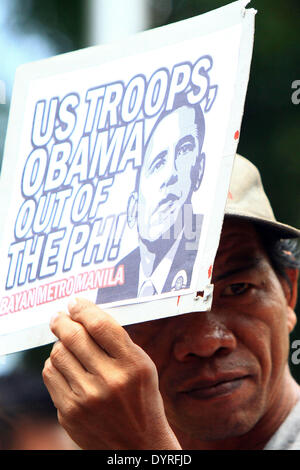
[160, 207]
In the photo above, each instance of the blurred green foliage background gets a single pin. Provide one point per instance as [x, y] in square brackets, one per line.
[271, 124]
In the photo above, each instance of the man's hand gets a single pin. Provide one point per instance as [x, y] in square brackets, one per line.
[103, 385]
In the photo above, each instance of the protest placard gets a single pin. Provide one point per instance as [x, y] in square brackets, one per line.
[116, 171]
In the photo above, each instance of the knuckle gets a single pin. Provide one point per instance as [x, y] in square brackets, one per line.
[124, 337]
[141, 369]
[118, 383]
[69, 414]
[84, 405]
[93, 399]
[99, 327]
[102, 327]
[141, 361]
[73, 336]
[61, 419]
[70, 411]
[47, 370]
[57, 352]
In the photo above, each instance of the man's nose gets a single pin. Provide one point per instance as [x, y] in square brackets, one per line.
[203, 335]
[171, 173]
[172, 179]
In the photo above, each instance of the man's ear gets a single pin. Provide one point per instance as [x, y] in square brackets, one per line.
[293, 275]
[132, 206]
[291, 293]
[199, 171]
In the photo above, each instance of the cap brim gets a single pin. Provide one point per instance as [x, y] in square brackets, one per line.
[283, 230]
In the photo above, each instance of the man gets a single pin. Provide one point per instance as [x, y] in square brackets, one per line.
[207, 380]
[161, 207]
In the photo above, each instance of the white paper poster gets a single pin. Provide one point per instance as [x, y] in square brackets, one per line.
[116, 172]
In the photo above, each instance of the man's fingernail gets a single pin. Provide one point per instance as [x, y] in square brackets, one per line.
[53, 318]
[71, 304]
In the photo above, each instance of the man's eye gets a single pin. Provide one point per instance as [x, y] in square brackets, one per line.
[185, 148]
[156, 165]
[236, 289]
[159, 161]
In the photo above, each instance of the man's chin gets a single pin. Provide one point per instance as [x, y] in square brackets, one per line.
[157, 240]
[216, 428]
[216, 418]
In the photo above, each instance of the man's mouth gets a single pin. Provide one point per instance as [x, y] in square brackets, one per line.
[205, 389]
[166, 203]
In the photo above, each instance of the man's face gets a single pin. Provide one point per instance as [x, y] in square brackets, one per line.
[221, 371]
[165, 180]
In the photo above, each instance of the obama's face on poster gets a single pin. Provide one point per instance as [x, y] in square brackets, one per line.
[172, 170]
